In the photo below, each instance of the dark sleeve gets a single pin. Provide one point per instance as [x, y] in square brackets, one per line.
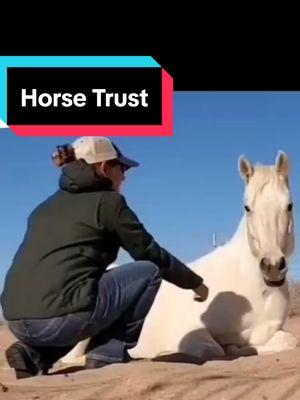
[135, 239]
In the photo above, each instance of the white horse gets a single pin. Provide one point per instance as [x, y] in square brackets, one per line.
[248, 299]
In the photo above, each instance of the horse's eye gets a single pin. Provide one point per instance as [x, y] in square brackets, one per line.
[247, 208]
[290, 207]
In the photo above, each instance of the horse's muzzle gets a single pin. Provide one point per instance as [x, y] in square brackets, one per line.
[273, 273]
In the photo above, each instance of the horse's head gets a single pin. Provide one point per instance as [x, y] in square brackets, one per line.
[269, 215]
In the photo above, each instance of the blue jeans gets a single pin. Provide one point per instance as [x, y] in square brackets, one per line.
[125, 295]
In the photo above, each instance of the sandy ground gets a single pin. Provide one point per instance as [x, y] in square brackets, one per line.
[272, 377]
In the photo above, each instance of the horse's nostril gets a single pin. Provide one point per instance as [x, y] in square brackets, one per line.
[281, 264]
[264, 263]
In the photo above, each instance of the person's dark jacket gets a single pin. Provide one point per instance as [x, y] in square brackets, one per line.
[71, 239]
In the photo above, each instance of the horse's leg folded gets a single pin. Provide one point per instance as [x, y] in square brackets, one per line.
[263, 332]
[280, 341]
[199, 343]
[236, 351]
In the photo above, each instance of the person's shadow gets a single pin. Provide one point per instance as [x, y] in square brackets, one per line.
[227, 309]
[68, 370]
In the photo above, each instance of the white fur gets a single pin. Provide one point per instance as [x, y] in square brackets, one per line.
[241, 310]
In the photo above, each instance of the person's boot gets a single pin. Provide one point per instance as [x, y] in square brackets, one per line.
[91, 363]
[25, 360]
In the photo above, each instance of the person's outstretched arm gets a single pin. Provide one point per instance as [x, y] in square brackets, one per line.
[119, 219]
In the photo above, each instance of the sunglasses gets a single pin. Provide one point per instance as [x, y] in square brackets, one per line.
[123, 167]
[115, 163]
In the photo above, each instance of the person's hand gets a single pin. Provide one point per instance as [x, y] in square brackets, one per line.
[201, 293]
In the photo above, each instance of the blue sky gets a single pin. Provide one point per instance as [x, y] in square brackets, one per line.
[187, 186]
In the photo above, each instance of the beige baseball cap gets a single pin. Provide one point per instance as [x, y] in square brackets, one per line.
[94, 149]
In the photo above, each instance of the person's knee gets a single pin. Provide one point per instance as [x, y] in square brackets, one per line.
[151, 270]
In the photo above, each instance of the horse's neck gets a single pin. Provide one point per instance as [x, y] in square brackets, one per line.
[236, 253]
[239, 237]
[240, 249]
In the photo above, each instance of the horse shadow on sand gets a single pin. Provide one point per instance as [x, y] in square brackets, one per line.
[226, 306]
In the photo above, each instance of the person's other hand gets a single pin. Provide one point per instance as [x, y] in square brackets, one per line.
[201, 293]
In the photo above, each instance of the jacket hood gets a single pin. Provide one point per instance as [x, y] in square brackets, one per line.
[78, 176]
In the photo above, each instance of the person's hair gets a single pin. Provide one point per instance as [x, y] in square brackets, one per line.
[63, 155]
[105, 182]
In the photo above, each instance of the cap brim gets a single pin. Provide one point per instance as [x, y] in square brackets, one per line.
[127, 162]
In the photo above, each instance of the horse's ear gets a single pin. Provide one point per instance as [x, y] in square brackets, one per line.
[282, 164]
[245, 168]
